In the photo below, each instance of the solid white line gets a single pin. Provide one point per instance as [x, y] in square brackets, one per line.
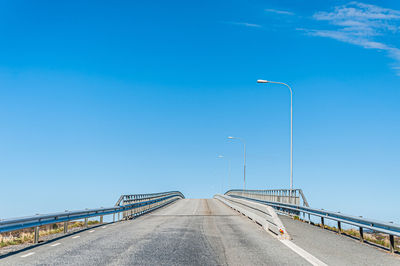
[56, 244]
[91, 231]
[307, 256]
[76, 236]
[26, 255]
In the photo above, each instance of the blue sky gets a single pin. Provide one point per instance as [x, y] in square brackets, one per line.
[100, 99]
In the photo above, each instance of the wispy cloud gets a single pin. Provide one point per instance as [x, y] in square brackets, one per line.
[361, 24]
[246, 24]
[280, 12]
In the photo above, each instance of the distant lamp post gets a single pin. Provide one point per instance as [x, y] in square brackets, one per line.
[229, 171]
[244, 163]
[291, 127]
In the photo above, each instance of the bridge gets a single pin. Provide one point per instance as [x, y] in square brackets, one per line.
[242, 227]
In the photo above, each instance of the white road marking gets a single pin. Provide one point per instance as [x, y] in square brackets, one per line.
[56, 244]
[307, 256]
[76, 236]
[104, 227]
[26, 255]
[91, 231]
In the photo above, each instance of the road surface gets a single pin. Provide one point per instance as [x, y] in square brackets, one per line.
[198, 232]
[188, 232]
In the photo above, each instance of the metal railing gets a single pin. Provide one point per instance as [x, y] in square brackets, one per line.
[144, 203]
[294, 196]
[390, 229]
[136, 198]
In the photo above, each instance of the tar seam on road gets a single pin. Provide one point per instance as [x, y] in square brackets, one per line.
[195, 209]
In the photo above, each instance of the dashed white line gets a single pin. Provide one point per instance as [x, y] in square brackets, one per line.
[91, 231]
[104, 227]
[26, 255]
[76, 236]
[56, 244]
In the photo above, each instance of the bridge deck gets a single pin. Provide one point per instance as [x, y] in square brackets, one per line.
[198, 232]
[188, 232]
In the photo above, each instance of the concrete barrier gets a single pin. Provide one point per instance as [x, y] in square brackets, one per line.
[260, 213]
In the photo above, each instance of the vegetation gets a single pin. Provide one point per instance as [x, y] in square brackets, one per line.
[376, 238]
[25, 236]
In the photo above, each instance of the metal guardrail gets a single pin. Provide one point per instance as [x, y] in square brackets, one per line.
[144, 203]
[294, 196]
[127, 199]
[135, 198]
[362, 223]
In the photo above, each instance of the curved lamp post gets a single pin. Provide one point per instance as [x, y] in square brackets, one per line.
[291, 127]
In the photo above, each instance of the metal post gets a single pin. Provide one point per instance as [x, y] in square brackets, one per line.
[229, 174]
[391, 243]
[113, 217]
[65, 227]
[322, 222]
[291, 127]
[36, 236]
[101, 219]
[244, 168]
[339, 228]
[86, 222]
[361, 234]
[291, 138]
[309, 219]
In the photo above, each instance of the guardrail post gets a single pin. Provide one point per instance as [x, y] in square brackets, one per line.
[361, 234]
[101, 219]
[391, 243]
[339, 228]
[322, 222]
[36, 236]
[113, 217]
[65, 227]
[86, 223]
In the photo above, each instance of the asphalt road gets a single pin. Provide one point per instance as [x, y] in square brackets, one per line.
[188, 232]
[334, 249]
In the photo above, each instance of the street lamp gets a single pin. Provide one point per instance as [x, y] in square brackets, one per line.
[244, 164]
[229, 171]
[291, 127]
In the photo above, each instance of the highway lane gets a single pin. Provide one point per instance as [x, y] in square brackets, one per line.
[188, 232]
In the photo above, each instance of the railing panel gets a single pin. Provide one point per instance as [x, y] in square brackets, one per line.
[294, 196]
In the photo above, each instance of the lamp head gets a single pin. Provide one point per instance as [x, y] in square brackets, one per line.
[230, 137]
[262, 81]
